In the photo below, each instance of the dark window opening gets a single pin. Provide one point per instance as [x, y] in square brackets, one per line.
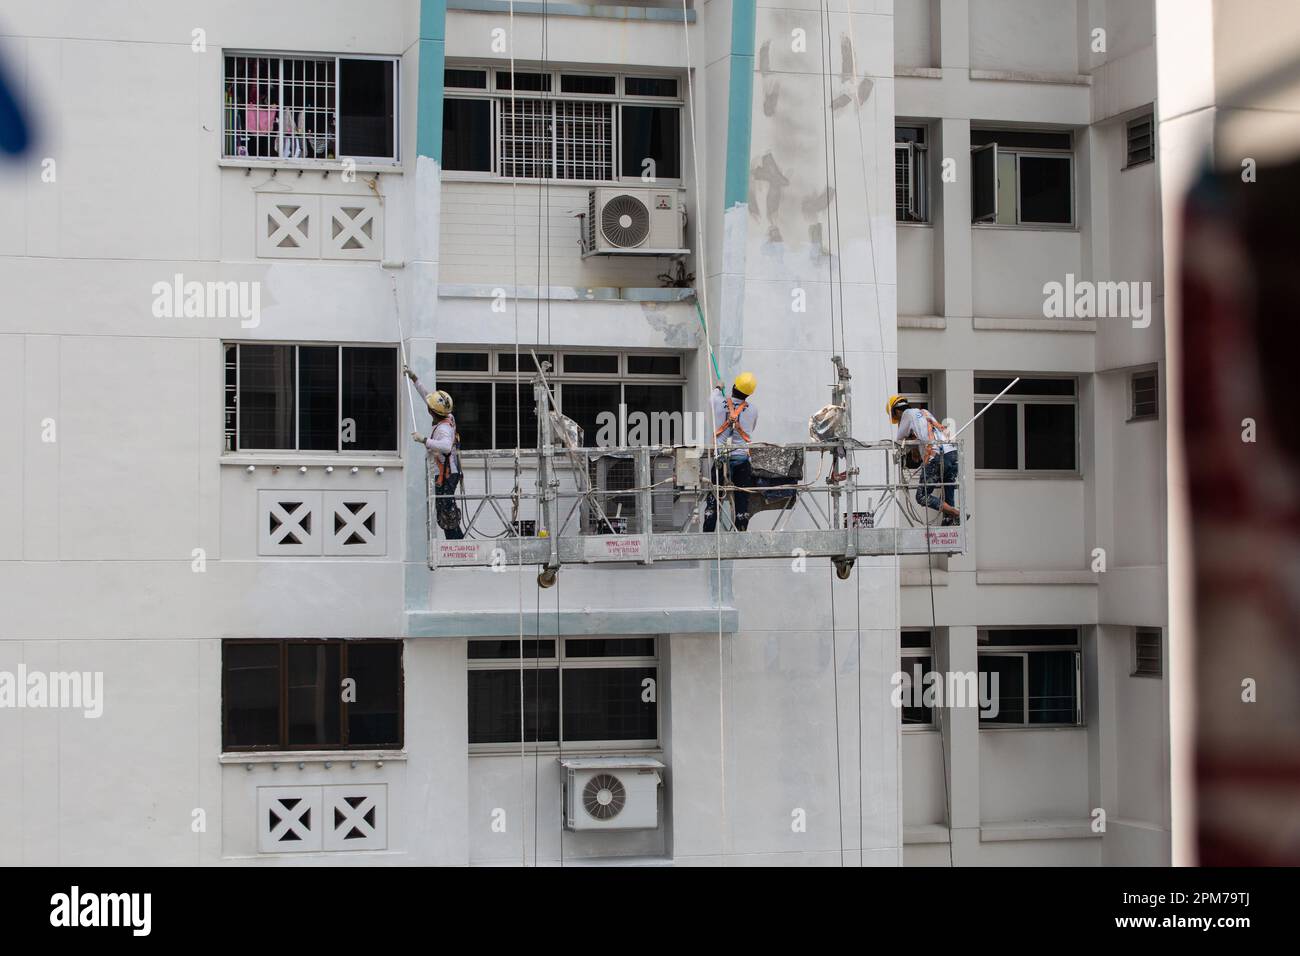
[467, 135]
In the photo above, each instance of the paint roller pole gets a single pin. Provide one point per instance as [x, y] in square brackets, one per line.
[985, 408]
[401, 344]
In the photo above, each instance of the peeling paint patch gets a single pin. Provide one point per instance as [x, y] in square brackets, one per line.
[675, 331]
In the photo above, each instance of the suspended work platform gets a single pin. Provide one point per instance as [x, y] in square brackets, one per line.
[563, 504]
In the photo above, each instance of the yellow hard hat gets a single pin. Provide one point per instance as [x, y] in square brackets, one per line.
[745, 383]
[439, 403]
[892, 408]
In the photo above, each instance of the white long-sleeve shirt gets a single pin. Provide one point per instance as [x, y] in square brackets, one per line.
[441, 442]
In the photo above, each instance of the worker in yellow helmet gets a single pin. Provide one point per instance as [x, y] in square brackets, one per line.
[734, 419]
[443, 446]
[931, 450]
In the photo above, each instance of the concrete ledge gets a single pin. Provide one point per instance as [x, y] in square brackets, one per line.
[920, 578]
[668, 13]
[1033, 325]
[1035, 577]
[237, 757]
[680, 620]
[1025, 76]
[1037, 830]
[927, 72]
[926, 833]
[565, 293]
[922, 322]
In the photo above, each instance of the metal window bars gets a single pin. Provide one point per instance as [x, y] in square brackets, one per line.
[280, 107]
[563, 517]
[556, 139]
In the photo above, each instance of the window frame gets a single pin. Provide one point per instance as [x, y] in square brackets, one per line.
[619, 98]
[1019, 152]
[362, 162]
[557, 377]
[1023, 651]
[919, 172]
[1020, 471]
[1133, 415]
[284, 746]
[560, 661]
[923, 653]
[339, 452]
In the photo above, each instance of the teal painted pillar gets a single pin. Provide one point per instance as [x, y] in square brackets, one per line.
[433, 58]
[739, 102]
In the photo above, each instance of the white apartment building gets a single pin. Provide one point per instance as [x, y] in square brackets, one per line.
[239, 221]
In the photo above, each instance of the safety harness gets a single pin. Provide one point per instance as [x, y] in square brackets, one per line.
[732, 419]
[444, 461]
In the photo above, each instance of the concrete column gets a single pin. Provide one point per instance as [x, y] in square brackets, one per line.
[959, 390]
[961, 751]
[954, 34]
[952, 228]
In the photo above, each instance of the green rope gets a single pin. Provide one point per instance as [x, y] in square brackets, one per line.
[712, 358]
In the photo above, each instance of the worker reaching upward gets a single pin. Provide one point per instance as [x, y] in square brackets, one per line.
[735, 420]
[938, 456]
[443, 445]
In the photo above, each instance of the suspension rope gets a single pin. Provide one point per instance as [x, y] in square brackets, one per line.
[832, 243]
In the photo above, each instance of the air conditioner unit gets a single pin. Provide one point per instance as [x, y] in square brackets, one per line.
[611, 793]
[635, 222]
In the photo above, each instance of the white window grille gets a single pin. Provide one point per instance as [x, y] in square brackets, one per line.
[910, 200]
[525, 138]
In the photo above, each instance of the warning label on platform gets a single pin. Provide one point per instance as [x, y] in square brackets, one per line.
[615, 548]
[458, 551]
[945, 537]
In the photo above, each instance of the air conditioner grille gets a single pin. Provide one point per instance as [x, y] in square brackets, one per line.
[604, 796]
[625, 221]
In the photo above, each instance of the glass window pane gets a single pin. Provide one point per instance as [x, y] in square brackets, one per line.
[1006, 188]
[250, 694]
[1045, 189]
[606, 704]
[266, 396]
[315, 695]
[590, 363]
[1006, 687]
[374, 718]
[916, 668]
[467, 134]
[991, 386]
[506, 363]
[318, 397]
[462, 362]
[914, 384]
[585, 402]
[915, 639]
[370, 398]
[366, 101]
[472, 406]
[508, 650]
[1052, 687]
[1029, 636]
[1039, 386]
[465, 79]
[650, 86]
[610, 647]
[995, 437]
[654, 133]
[512, 403]
[1049, 436]
[494, 705]
[530, 82]
[578, 83]
[654, 365]
[662, 406]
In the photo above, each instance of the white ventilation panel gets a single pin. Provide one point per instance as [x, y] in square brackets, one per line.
[345, 818]
[288, 226]
[353, 228]
[356, 523]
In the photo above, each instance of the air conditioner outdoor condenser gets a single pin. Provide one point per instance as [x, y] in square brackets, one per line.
[635, 222]
[611, 793]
